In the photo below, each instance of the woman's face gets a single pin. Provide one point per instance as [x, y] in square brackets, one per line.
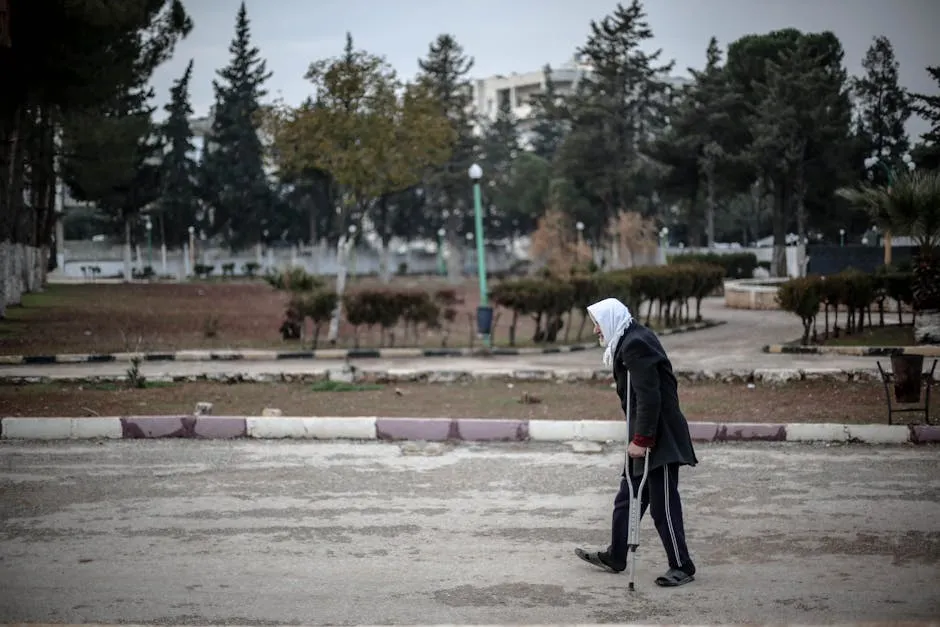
[598, 333]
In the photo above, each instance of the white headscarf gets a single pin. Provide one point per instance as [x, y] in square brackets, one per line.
[613, 318]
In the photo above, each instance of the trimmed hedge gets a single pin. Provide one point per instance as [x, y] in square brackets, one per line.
[667, 288]
[852, 291]
[550, 301]
[736, 265]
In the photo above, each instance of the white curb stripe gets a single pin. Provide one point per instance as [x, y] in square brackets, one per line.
[566, 430]
[61, 428]
[879, 434]
[87, 428]
[299, 427]
[824, 432]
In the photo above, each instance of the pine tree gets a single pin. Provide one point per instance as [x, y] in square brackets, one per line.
[620, 109]
[548, 119]
[695, 144]
[111, 150]
[445, 71]
[927, 154]
[499, 146]
[234, 182]
[178, 202]
[883, 105]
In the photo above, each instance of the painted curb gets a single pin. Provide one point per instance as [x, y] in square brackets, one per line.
[851, 351]
[407, 375]
[439, 429]
[324, 354]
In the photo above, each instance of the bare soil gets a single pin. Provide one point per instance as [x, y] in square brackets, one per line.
[806, 401]
[108, 318]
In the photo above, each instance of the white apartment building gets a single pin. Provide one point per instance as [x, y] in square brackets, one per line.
[517, 89]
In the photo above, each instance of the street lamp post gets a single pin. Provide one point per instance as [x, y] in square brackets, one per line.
[871, 162]
[192, 249]
[484, 311]
[440, 252]
[842, 237]
[149, 226]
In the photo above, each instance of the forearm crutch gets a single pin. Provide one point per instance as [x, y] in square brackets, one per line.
[633, 524]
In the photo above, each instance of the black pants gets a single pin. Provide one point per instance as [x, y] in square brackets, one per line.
[661, 496]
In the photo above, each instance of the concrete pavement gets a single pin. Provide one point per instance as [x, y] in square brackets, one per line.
[239, 532]
[736, 345]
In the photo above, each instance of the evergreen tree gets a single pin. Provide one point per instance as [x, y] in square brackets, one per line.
[796, 124]
[927, 154]
[499, 147]
[111, 150]
[445, 71]
[235, 186]
[620, 109]
[178, 204]
[548, 119]
[883, 106]
[84, 68]
[696, 144]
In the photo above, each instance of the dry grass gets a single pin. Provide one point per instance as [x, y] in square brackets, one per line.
[106, 318]
[706, 401]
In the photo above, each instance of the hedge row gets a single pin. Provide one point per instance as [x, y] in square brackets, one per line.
[370, 308]
[853, 291]
[736, 265]
[668, 288]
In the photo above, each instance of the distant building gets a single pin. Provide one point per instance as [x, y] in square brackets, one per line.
[517, 89]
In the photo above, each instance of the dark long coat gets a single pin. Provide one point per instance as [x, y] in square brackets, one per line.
[650, 400]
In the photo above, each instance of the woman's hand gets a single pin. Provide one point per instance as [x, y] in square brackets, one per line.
[635, 450]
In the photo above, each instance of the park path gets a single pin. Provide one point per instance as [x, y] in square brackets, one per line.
[735, 345]
[274, 532]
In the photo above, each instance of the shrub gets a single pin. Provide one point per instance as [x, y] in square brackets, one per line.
[293, 280]
[736, 265]
[926, 282]
[802, 296]
[548, 299]
[319, 307]
[853, 290]
[899, 286]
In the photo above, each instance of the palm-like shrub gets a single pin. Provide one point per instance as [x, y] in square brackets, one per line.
[911, 206]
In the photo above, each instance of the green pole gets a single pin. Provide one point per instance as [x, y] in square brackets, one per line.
[440, 254]
[481, 255]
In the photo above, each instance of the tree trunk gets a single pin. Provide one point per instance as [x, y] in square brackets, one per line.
[710, 210]
[455, 258]
[342, 260]
[127, 248]
[4, 276]
[779, 264]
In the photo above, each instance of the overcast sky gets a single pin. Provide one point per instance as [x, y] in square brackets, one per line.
[505, 36]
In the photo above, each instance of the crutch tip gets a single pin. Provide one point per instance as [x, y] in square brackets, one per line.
[631, 587]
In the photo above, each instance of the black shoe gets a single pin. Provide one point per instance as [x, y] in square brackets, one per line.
[675, 577]
[599, 559]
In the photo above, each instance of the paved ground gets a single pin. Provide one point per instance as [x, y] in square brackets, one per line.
[345, 533]
[736, 345]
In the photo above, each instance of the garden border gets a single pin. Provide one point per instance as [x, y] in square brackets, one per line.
[324, 354]
[349, 373]
[854, 351]
[437, 429]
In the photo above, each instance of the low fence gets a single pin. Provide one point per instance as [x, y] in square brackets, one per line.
[78, 258]
[834, 259]
[763, 254]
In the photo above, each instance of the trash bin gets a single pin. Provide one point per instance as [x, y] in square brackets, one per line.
[484, 320]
